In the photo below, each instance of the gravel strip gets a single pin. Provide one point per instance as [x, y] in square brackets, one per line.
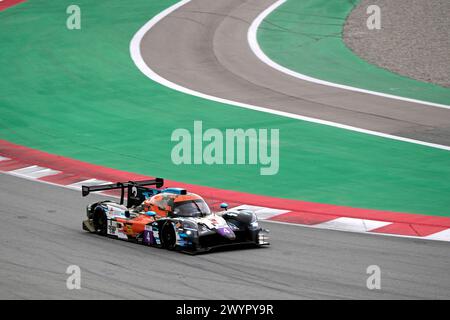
[414, 39]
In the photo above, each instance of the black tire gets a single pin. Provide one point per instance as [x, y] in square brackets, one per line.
[168, 236]
[100, 221]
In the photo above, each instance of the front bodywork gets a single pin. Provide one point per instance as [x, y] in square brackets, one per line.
[206, 233]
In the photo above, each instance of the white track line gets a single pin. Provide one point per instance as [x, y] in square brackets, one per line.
[254, 45]
[136, 55]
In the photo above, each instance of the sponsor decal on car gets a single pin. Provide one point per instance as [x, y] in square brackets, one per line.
[112, 228]
[148, 238]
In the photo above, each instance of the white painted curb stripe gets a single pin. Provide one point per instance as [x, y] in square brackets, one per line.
[265, 213]
[352, 224]
[25, 170]
[88, 182]
[342, 223]
[34, 172]
[254, 45]
[442, 236]
[262, 213]
[4, 158]
[345, 224]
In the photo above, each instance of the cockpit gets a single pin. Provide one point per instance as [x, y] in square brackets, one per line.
[191, 208]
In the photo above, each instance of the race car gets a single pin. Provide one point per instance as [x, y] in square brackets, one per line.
[170, 218]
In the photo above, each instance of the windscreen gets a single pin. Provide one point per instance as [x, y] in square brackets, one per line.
[191, 208]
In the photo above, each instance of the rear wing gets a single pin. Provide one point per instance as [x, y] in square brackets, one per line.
[137, 190]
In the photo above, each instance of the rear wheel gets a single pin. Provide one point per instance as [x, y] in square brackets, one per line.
[168, 236]
[100, 221]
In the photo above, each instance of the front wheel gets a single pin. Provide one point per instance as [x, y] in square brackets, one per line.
[168, 236]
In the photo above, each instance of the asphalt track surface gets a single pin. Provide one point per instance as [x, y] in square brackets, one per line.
[41, 224]
[203, 46]
[41, 236]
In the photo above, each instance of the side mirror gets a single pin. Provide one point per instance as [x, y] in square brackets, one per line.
[224, 206]
[150, 213]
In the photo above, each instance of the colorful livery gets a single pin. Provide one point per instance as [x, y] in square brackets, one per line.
[170, 218]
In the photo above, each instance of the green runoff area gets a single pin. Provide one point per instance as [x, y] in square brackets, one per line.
[306, 36]
[77, 93]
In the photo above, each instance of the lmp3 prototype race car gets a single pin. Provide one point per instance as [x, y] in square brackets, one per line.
[170, 218]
